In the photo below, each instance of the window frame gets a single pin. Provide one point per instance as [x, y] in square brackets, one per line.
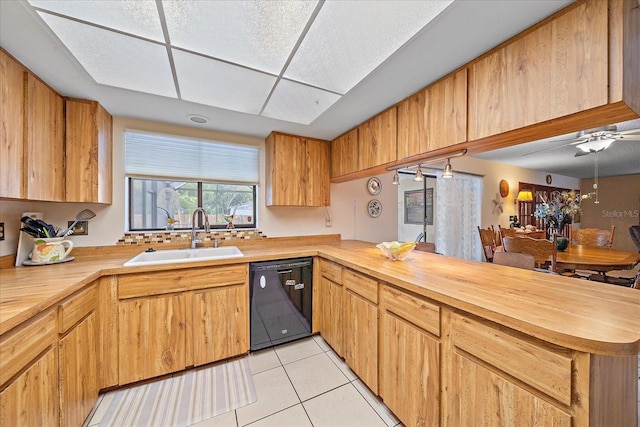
[200, 198]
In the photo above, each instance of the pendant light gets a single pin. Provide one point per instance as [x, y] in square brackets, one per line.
[396, 178]
[448, 171]
[419, 177]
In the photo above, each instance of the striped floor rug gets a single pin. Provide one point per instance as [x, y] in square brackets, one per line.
[184, 399]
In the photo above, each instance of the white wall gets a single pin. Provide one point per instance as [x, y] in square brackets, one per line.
[347, 210]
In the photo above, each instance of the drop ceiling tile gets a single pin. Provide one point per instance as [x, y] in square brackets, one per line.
[210, 82]
[114, 59]
[139, 17]
[256, 34]
[349, 39]
[294, 102]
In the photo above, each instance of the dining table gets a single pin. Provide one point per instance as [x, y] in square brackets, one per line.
[596, 258]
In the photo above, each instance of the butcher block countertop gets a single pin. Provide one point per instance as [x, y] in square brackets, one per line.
[573, 313]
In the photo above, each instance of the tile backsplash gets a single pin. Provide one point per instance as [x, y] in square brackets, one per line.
[185, 236]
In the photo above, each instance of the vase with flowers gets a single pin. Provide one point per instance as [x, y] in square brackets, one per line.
[559, 209]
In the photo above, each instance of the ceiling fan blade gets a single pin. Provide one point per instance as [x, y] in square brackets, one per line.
[628, 138]
[580, 153]
[575, 142]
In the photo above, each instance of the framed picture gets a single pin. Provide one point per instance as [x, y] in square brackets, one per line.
[414, 207]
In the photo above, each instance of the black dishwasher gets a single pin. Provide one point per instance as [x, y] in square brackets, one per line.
[280, 296]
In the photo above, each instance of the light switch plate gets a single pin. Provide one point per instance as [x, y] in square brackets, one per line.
[80, 229]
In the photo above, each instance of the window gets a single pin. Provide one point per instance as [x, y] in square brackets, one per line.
[169, 177]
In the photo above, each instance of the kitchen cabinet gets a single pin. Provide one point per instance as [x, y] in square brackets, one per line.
[151, 337]
[12, 184]
[44, 127]
[557, 69]
[88, 153]
[410, 357]
[344, 154]
[377, 140]
[221, 316]
[361, 326]
[534, 388]
[331, 304]
[297, 171]
[78, 356]
[435, 117]
[169, 320]
[29, 375]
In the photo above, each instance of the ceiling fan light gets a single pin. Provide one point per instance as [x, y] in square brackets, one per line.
[596, 144]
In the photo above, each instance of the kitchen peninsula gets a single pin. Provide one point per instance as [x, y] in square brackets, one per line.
[450, 339]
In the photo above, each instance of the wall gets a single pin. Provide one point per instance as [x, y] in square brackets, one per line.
[619, 205]
[347, 210]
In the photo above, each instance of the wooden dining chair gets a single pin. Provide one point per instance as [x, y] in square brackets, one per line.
[543, 250]
[488, 240]
[515, 259]
[592, 236]
[426, 247]
[505, 232]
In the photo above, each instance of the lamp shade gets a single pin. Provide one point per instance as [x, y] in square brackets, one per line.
[524, 196]
[448, 171]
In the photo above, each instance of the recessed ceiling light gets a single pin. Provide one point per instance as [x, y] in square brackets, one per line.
[196, 118]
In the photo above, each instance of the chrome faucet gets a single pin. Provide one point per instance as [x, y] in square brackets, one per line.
[195, 241]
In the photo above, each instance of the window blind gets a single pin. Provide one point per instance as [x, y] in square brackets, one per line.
[166, 156]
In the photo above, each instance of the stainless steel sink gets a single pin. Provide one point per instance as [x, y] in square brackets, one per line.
[171, 256]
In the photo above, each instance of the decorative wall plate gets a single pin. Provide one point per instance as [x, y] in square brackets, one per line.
[374, 208]
[504, 188]
[374, 186]
[549, 179]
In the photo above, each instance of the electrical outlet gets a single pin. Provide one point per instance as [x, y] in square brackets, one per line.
[327, 222]
[1, 230]
[80, 229]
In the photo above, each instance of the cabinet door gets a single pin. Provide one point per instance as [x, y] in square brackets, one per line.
[435, 117]
[45, 142]
[410, 372]
[332, 320]
[32, 398]
[344, 154]
[287, 177]
[151, 337]
[519, 85]
[11, 127]
[78, 372]
[88, 152]
[361, 338]
[220, 323]
[377, 140]
[494, 400]
[318, 191]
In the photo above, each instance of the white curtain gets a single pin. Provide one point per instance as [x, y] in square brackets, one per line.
[458, 213]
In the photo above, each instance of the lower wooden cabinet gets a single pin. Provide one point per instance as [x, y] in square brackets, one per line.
[32, 398]
[331, 304]
[361, 326]
[151, 337]
[170, 320]
[410, 357]
[29, 374]
[220, 323]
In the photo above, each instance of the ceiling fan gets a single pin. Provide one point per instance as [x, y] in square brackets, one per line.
[595, 140]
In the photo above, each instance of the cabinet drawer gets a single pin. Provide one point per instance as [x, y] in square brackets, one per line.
[362, 285]
[165, 282]
[23, 345]
[76, 308]
[540, 367]
[423, 314]
[331, 271]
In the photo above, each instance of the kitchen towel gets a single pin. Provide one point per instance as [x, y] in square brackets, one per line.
[184, 399]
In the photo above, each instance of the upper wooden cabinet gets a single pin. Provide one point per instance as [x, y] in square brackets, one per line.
[297, 171]
[377, 140]
[88, 152]
[44, 125]
[12, 75]
[32, 135]
[344, 154]
[433, 118]
[558, 69]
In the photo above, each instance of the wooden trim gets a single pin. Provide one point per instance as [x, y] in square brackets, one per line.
[7, 261]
